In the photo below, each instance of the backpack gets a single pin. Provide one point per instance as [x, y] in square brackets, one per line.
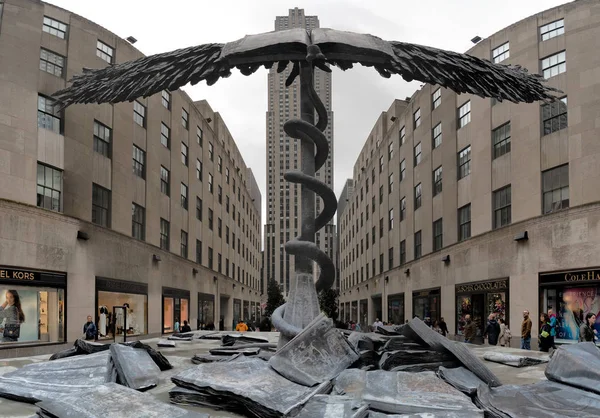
[507, 333]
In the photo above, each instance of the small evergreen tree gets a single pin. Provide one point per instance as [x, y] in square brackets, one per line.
[274, 298]
[328, 302]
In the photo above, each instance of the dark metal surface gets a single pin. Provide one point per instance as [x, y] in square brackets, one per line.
[512, 360]
[577, 365]
[171, 70]
[135, 367]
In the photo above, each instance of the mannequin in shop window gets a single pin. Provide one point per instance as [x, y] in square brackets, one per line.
[102, 321]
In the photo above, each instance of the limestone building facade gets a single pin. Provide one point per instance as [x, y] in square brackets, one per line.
[139, 214]
[464, 205]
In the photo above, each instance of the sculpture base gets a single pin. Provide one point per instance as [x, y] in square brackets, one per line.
[302, 305]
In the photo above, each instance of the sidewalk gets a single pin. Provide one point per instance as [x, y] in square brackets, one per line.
[180, 358]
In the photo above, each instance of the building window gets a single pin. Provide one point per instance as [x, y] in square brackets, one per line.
[184, 244]
[436, 98]
[417, 154]
[555, 188]
[402, 170]
[52, 63]
[464, 114]
[210, 183]
[402, 135]
[199, 170]
[138, 222]
[437, 135]
[438, 235]
[417, 118]
[391, 258]
[184, 154]
[464, 163]
[49, 117]
[391, 183]
[139, 162]
[501, 140]
[418, 245]
[54, 27]
[105, 52]
[554, 64]
[227, 175]
[49, 187]
[139, 113]
[100, 205]
[402, 252]
[184, 196]
[437, 181]
[502, 204]
[391, 219]
[219, 164]
[220, 194]
[199, 251]
[381, 163]
[166, 99]
[211, 154]
[390, 150]
[464, 222]
[554, 116]
[164, 234]
[199, 209]
[501, 53]
[199, 135]
[381, 194]
[380, 263]
[165, 135]
[402, 209]
[219, 227]
[185, 118]
[210, 258]
[418, 190]
[210, 219]
[164, 180]
[552, 29]
[102, 139]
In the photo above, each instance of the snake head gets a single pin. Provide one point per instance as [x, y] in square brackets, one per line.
[314, 53]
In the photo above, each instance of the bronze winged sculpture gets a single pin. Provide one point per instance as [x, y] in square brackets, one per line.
[305, 50]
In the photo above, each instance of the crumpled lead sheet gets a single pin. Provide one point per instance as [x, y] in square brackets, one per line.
[513, 360]
[577, 365]
[247, 385]
[135, 367]
[461, 378]
[111, 401]
[46, 380]
[405, 393]
[334, 406]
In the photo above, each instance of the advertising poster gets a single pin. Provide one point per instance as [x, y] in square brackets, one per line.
[575, 303]
[29, 304]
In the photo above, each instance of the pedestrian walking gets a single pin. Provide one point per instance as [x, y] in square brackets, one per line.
[586, 330]
[437, 328]
[544, 340]
[553, 327]
[505, 334]
[89, 329]
[186, 327]
[526, 332]
[443, 327]
[492, 330]
[470, 329]
[377, 324]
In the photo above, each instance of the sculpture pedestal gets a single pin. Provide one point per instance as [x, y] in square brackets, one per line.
[302, 305]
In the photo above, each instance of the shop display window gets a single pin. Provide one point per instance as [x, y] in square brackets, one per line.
[571, 305]
[116, 321]
[206, 312]
[31, 315]
[396, 309]
[175, 310]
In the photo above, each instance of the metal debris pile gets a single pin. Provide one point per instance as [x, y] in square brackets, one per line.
[406, 371]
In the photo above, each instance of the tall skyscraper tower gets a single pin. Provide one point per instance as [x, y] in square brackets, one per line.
[283, 154]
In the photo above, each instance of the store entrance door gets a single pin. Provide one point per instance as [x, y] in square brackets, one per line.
[479, 316]
[119, 324]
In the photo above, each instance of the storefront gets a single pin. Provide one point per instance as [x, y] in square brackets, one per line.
[39, 299]
[571, 295]
[237, 312]
[246, 305]
[426, 304]
[364, 313]
[479, 300]
[206, 311]
[131, 301]
[176, 308]
[354, 311]
[396, 309]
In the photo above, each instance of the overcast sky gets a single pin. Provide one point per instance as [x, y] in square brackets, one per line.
[359, 95]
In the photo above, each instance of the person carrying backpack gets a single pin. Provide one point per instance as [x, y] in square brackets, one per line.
[554, 327]
[505, 334]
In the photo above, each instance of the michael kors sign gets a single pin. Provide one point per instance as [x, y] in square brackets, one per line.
[18, 275]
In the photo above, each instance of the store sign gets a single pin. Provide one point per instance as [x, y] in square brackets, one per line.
[571, 276]
[11, 274]
[482, 287]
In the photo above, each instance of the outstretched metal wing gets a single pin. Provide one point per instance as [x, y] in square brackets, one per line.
[168, 71]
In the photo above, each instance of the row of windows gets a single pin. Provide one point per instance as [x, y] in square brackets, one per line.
[555, 196]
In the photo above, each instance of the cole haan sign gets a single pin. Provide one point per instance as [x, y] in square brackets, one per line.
[571, 276]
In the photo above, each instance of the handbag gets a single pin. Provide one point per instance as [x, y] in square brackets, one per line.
[12, 330]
